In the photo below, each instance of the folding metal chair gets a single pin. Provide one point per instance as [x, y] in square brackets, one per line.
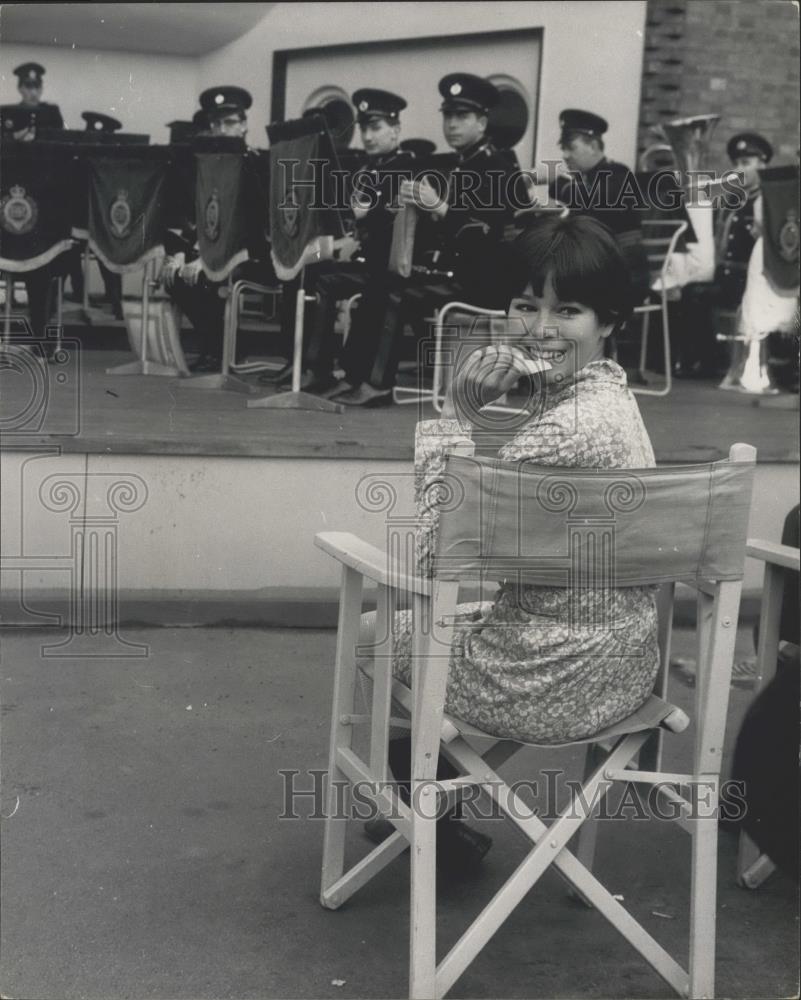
[242, 312]
[753, 867]
[553, 527]
[660, 237]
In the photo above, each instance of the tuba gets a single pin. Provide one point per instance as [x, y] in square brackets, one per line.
[684, 147]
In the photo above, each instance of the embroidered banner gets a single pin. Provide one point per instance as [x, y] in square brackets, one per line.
[781, 225]
[126, 211]
[302, 212]
[221, 213]
[36, 204]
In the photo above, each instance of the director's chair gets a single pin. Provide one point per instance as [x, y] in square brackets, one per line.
[551, 527]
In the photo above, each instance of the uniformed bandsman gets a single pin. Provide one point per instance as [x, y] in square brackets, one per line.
[224, 110]
[374, 205]
[592, 183]
[22, 120]
[603, 189]
[736, 231]
[462, 220]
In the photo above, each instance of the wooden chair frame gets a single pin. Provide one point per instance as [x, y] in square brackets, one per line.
[621, 754]
[753, 867]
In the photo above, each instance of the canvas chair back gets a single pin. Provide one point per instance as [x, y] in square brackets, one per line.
[583, 527]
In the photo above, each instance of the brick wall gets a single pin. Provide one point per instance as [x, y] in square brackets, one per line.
[735, 58]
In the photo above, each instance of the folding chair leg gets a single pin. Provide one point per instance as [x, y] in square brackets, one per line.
[422, 938]
[587, 837]
[703, 893]
[350, 606]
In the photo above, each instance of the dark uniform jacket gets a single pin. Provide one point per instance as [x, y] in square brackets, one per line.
[597, 193]
[378, 178]
[16, 117]
[735, 235]
[464, 240]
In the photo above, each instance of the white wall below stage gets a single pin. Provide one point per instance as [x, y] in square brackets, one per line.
[143, 91]
[206, 525]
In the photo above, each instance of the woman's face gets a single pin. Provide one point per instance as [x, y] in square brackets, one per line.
[567, 334]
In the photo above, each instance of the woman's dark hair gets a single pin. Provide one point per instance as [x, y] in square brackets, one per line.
[584, 262]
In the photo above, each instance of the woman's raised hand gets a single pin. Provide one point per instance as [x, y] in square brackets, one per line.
[486, 375]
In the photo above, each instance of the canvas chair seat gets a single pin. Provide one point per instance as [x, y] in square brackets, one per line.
[652, 714]
[570, 528]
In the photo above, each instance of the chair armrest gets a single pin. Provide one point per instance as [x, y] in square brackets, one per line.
[774, 553]
[369, 561]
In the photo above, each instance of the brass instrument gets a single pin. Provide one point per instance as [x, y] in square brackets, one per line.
[687, 140]
[683, 144]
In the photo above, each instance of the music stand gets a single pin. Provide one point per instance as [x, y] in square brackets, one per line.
[295, 399]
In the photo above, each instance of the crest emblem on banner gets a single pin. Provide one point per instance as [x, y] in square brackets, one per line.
[788, 238]
[18, 211]
[290, 211]
[211, 225]
[119, 215]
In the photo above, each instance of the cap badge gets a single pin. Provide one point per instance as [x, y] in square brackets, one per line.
[219, 98]
[363, 105]
[742, 144]
[456, 88]
[18, 212]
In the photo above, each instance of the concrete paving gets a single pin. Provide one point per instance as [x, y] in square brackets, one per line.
[143, 854]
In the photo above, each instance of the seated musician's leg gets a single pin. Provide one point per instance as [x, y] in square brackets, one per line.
[73, 269]
[375, 326]
[695, 333]
[320, 347]
[113, 286]
[205, 310]
[37, 285]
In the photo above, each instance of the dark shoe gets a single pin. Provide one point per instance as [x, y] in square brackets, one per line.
[378, 829]
[206, 363]
[341, 387]
[366, 395]
[320, 385]
[460, 848]
[696, 370]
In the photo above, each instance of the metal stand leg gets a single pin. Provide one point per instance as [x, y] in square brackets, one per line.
[142, 366]
[296, 400]
[223, 379]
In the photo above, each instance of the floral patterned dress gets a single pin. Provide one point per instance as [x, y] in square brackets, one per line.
[517, 669]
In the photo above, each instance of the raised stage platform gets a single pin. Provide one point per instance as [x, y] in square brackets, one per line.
[223, 501]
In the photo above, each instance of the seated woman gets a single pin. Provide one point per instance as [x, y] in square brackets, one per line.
[518, 668]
